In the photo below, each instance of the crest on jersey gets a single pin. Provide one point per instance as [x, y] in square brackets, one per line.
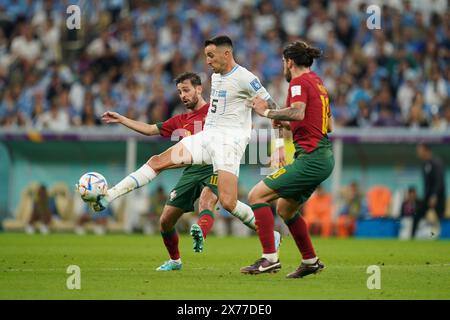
[296, 91]
[256, 85]
[173, 195]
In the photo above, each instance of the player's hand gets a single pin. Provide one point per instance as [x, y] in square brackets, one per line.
[259, 105]
[278, 158]
[111, 117]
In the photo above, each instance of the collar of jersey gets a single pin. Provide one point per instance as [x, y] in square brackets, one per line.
[232, 70]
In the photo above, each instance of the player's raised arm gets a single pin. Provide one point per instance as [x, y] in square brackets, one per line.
[138, 126]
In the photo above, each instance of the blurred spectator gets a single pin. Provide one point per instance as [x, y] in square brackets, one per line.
[433, 172]
[317, 213]
[416, 117]
[264, 18]
[345, 31]
[149, 42]
[406, 93]
[88, 116]
[25, 48]
[79, 89]
[341, 114]
[293, 18]
[321, 24]
[350, 211]
[385, 109]
[411, 205]
[435, 91]
[56, 118]
[379, 198]
[42, 213]
[363, 117]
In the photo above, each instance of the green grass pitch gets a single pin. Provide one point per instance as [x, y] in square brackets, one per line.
[123, 267]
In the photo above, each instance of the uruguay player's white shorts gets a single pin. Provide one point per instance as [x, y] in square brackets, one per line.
[220, 148]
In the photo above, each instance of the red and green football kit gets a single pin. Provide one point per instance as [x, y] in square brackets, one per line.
[195, 177]
[313, 159]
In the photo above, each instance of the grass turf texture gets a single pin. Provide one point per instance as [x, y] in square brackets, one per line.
[123, 267]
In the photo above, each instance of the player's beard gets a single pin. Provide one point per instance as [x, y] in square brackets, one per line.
[287, 74]
[191, 104]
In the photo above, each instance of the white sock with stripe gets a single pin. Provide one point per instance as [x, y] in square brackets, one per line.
[272, 257]
[310, 261]
[134, 180]
[244, 213]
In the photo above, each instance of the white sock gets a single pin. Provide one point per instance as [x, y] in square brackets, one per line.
[310, 261]
[272, 257]
[135, 180]
[176, 261]
[244, 213]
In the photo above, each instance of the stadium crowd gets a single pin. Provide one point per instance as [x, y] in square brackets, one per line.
[126, 54]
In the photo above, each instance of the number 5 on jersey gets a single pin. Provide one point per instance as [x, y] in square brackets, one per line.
[214, 105]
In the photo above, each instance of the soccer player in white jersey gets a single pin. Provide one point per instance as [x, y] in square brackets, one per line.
[223, 140]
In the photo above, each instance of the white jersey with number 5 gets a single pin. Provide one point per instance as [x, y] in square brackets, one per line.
[230, 94]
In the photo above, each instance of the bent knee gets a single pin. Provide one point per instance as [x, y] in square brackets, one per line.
[207, 203]
[255, 197]
[166, 224]
[155, 163]
[228, 202]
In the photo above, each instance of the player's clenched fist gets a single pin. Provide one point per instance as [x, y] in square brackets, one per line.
[111, 117]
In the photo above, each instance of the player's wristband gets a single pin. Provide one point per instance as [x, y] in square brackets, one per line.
[279, 143]
[266, 113]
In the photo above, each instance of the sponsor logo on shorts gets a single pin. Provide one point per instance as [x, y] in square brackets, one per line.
[173, 195]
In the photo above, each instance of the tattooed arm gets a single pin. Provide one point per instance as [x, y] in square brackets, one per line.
[294, 113]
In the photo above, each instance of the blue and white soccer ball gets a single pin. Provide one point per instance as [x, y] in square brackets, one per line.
[91, 185]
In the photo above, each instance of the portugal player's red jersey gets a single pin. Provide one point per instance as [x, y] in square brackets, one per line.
[309, 89]
[184, 124]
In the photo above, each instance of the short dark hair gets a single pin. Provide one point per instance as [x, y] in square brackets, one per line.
[301, 53]
[219, 41]
[191, 76]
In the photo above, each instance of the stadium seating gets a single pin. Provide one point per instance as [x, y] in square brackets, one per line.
[64, 206]
[24, 209]
[445, 229]
[377, 228]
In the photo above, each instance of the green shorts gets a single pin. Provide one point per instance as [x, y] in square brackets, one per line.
[190, 186]
[298, 180]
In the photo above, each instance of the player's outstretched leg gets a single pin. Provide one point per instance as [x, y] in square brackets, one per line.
[288, 210]
[168, 219]
[173, 157]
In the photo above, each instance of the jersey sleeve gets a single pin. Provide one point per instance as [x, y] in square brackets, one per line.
[297, 91]
[167, 127]
[254, 87]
